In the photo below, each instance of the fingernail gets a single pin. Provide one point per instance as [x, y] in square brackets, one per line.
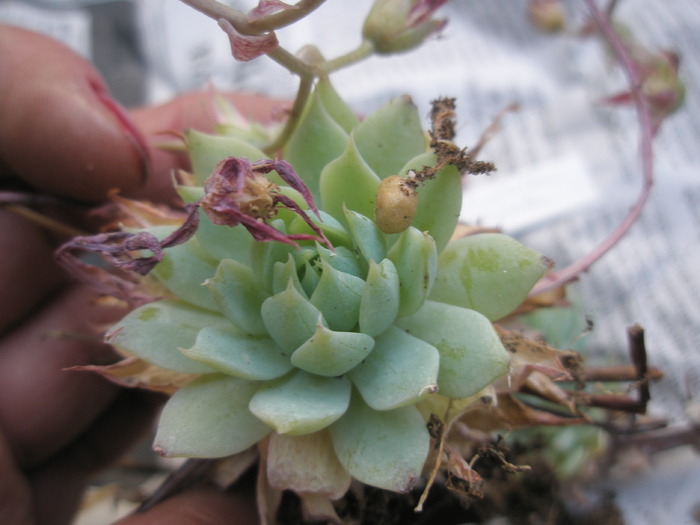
[137, 140]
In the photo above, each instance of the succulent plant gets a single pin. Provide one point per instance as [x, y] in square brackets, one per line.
[306, 326]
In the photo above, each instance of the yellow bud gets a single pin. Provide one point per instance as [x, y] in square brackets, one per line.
[396, 204]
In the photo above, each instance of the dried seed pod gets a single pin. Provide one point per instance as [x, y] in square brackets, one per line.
[396, 204]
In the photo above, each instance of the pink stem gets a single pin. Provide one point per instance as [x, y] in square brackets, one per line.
[647, 158]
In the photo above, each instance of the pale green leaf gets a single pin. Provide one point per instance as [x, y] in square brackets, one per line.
[155, 332]
[238, 354]
[471, 353]
[301, 403]
[383, 449]
[209, 418]
[401, 370]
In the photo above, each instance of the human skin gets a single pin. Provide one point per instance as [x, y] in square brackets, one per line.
[61, 135]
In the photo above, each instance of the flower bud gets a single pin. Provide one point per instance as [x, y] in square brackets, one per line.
[396, 205]
[398, 25]
[546, 15]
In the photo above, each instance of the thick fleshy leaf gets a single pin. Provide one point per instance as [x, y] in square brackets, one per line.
[290, 318]
[471, 353]
[238, 354]
[331, 228]
[489, 272]
[306, 464]
[380, 298]
[282, 273]
[415, 257]
[301, 403]
[383, 449]
[155, 332]
[336, 106]
[439, 200]
[183, 269]
[342, 259]
[239, 296]
[391, 136]
[264, 255]
[348, 182]
[329, 353]
[209, 418]
[317, 140]
[366, 236]
[337, 296]
[219, 242]
[401, 370]
[206, 151]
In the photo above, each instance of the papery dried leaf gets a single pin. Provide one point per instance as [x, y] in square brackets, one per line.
[544, 387]
[318, 508]
[511, 413]
[267, 498]
[229, 470]
[142, 214]
[248, 47]
[528, 355]
[134, 372]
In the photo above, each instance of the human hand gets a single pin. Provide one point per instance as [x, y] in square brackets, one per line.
[61, 135]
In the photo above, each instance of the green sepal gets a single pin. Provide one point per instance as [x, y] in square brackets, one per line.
[471, 353]
[209, 418]
[301, 403]
[335, 105]
[384, 449]
[290, 318]
[348, 182]
[239, 296]
[390, 136]
[380, 298]
[156, 331]
[415, 256]
[316, 141]
[337, 296]
[367, 238]
[401, 370]
[241, 355]
[206, 151]
[489, 272]
[439, 200]
[330, 353]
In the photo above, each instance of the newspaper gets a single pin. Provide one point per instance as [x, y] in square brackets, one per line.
[568, 167]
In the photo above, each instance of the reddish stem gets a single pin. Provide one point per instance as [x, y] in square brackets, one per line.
[630, 69]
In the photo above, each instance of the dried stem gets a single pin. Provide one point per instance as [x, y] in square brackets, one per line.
[646, 152]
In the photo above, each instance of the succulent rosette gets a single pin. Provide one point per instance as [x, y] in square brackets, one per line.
[302, 325]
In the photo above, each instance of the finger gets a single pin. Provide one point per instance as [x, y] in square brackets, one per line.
[27, 269]
[199, 507]
[60, 131]
[57, 484]
[15, 500]
[190, 111]
[43, 407]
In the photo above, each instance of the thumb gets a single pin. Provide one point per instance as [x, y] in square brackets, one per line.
[61, 132]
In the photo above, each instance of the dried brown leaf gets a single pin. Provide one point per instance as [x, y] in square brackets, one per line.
[134, 372]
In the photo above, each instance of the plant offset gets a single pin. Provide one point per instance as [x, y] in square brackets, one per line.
[312, 302]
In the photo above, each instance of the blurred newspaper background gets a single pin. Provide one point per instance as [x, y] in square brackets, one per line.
[568, 167]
